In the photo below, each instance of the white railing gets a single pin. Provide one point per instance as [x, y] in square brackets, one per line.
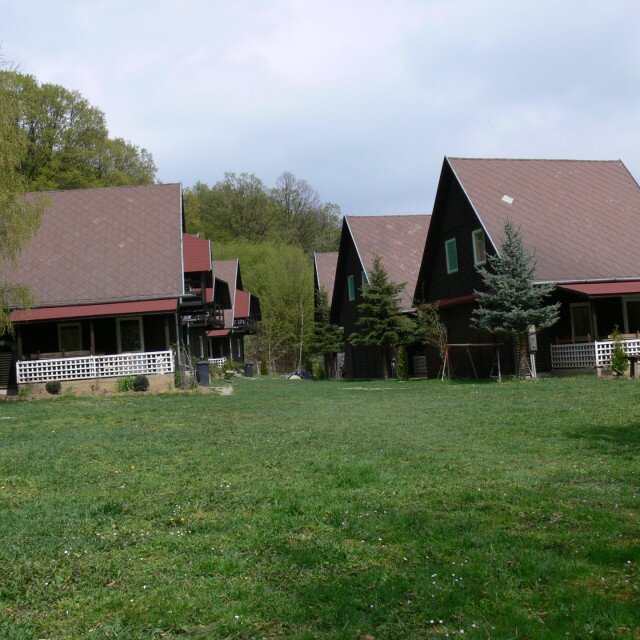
[219, 362]
[87, 367]
[589, 355]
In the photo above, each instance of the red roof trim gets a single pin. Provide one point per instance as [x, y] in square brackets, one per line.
[94, 310]
[218, 333]
[594, 289]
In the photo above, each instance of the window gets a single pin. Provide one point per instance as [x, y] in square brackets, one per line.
[479, 248]
[129, 334]
[364, 280]
[581, 320]
[70, 336]
[632, 315]
[451, 251]
[352, 288]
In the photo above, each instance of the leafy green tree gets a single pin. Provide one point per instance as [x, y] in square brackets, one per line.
[327, 338]
[512, 302]
[302, 218]
[19, 218]
[619, 359]
[242, 206]
[430, 329]
[66, 143]
[402, 366]
[380, 322]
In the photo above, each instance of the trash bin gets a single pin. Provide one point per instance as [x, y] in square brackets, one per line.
[203, 373]
[249, 370]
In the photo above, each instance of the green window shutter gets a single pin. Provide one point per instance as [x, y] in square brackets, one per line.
[352, 288]
[451, 250]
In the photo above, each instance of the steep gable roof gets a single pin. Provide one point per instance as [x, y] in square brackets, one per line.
[582, 218]
[105, 245]
[325, 270]
[197, 253]
[398, 240]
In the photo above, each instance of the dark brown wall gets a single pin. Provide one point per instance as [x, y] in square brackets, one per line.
[360, 362]
[455, 218]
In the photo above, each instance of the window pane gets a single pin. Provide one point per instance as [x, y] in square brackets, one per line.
[581, 320]
[479, 250]
[130, 338]
[352, 288]
[70, 337]
[451, 250]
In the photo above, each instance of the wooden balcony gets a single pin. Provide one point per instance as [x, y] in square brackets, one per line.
[90, 367]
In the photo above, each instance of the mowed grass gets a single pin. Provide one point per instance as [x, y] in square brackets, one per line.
[324, 510]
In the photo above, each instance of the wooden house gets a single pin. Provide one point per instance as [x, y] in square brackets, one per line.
[107, 269]
[580, 218]
[240, 318]
[399, 241]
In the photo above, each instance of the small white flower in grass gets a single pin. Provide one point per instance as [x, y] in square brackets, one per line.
[432, 621]
[440, 621]
[237, 617]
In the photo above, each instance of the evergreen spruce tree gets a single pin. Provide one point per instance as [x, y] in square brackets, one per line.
[327, 338]
[380, 322]
[512, 302]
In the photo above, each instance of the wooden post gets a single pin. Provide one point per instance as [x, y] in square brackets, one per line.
[19, 340]
[92, 339]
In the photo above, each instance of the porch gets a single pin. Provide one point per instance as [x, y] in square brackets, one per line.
[590, 355]
[93, 367]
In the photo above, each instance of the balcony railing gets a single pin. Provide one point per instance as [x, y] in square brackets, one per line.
[589, 355]
[88, 367]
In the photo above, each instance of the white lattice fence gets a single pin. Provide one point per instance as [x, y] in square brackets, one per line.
[603, 350]
[219, 362]
[573, 356]
[86, 367]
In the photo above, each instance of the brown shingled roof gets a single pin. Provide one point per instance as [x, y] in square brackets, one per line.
[582, 218]
[105, 245]
[326, 264]
[398, 240]
[197, 253]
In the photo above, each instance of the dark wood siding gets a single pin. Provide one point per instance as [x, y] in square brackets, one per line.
[456, 219]
[360, 361]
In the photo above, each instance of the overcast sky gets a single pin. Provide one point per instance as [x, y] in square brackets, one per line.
[362, 98]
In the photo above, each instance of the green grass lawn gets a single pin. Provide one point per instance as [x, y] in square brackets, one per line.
[324, 510]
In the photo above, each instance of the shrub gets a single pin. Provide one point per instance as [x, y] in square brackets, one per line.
[264, 368]
[124, 384]
[53, 387]
[619, 360]
[402, 366]
[140, 383]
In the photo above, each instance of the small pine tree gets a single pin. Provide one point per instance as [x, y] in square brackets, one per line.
[512, 302]
[619, 359]
[327, 338]
[264, 367]
[380, 322]
[402, 365]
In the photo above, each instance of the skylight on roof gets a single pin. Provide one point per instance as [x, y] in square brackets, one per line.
[507, 199]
